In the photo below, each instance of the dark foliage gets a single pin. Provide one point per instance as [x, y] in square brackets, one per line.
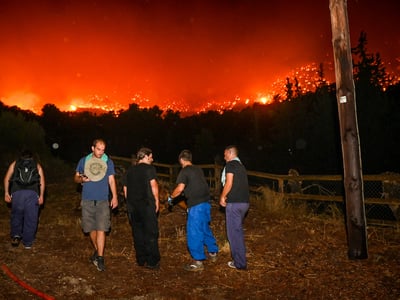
[301, 134]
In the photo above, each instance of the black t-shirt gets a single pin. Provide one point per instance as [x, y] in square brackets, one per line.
[196, 187]
[137, 181]
[240, 187]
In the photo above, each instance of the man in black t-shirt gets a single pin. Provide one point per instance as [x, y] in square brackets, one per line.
[192, 183]
[141, 193]
[235, 198]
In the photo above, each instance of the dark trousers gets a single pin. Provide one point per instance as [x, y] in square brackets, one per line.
[24, 215]
[235, 213]
[144, 225]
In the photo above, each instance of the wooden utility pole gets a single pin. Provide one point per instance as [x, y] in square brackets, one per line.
[346, 100]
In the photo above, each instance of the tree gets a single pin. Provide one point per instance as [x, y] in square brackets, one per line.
[368, 68]
[20, 134]
[289, 89]
[321, 82]
[297, 87]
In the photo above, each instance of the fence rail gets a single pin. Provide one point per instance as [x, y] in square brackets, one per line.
[381, 191]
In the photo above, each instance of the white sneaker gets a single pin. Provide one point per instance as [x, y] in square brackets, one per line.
[213, 256]
[194, 267]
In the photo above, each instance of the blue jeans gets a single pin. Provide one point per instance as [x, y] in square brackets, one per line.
[235, 213]
[198, 232]
[24, 215]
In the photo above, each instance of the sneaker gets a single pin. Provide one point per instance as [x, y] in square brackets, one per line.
[213, 256]
[153, 267]
[15, 241]
[231, 264]
[194, 267]
[99, 263]
[93, 257]
[28, 247]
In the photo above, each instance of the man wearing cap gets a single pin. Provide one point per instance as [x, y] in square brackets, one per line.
[96, 174]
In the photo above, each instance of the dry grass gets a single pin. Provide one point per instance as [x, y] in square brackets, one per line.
[275, 203]
[291, 254]
[268, 200]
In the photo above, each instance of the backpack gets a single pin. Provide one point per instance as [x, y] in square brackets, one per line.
[25, 172]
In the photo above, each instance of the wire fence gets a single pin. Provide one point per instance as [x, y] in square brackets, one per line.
[381, 192]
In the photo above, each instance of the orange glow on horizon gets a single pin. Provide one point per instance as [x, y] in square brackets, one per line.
[97, 103]
[307, 77]
[189, 58]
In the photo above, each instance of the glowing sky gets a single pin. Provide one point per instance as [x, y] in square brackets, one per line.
[192, 52]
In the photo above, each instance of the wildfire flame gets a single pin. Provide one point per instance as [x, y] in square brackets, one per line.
[307, 77]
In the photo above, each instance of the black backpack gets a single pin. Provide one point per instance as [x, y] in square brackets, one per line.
[26, 172]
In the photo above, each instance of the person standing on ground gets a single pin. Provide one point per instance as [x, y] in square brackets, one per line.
[192, 183]
[96, 174]
[24, 186]
[235, 198]
[141, 193]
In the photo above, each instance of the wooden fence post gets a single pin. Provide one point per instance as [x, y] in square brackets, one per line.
[171, 175]
[281, 186]
[217, 180]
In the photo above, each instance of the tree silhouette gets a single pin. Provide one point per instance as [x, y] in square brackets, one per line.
[289, 89]
[368, 68]
[20, 133]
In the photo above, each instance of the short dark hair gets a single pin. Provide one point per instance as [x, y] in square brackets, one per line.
[233, 148]
[185, 155]
[26, 154]
[99, 141]
[143, 152]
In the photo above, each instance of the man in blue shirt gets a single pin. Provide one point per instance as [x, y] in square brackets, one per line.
[96, 174]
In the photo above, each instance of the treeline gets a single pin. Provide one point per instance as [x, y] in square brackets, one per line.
[301, 132]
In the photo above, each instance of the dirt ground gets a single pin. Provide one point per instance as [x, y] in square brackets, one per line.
[288, 258]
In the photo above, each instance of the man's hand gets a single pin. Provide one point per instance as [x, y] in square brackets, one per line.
[222, 201]
[7, 197]
[114, 203]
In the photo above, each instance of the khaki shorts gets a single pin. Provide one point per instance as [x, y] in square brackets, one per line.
[95, 215]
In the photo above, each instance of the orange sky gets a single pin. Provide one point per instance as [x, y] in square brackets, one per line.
[191, 52]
